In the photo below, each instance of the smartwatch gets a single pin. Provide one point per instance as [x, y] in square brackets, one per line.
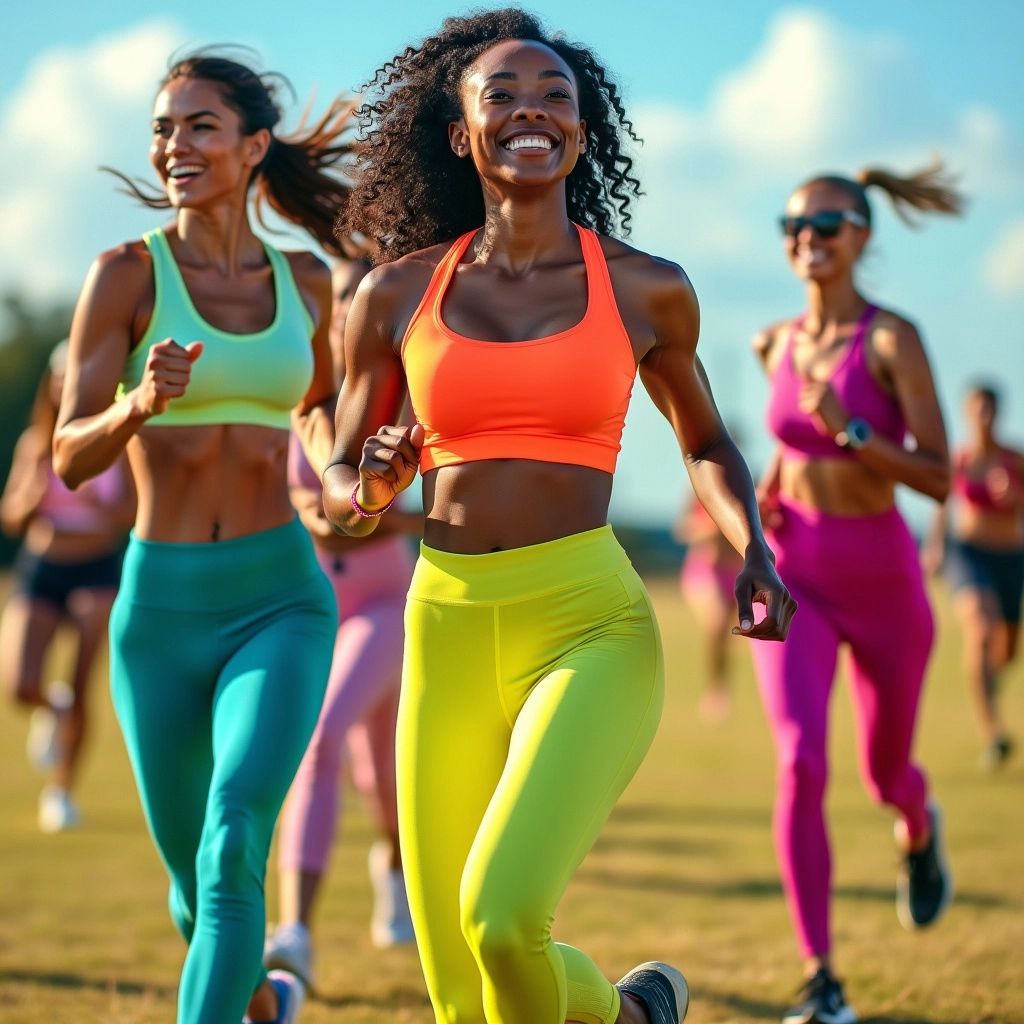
[857, 434]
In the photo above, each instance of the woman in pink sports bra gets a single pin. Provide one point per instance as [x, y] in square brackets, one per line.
[982, 559]
[491, 170]
[370, 580]
[66, 572]
[849, 383]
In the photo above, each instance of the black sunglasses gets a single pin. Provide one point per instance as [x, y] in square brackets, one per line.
[824, 223]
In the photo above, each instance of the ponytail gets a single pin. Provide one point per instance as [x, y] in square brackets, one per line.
[297, 181]
[930, 189]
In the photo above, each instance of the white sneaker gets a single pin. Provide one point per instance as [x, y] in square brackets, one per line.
[42, 745]
[57, 811]
[391, 923]
[289, 948]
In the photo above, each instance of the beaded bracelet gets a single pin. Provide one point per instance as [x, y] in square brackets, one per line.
[361, 512]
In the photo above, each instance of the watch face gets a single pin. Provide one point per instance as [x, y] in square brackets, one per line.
[858, 432]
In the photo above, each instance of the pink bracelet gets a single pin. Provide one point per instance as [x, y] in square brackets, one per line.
[361, 512]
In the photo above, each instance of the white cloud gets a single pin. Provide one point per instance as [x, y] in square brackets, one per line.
[1004, 264]
[816, 96]
[75, 110]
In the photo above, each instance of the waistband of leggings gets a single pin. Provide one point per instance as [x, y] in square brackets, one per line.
[501, 577]
[845, 526]
[221, 575]
[1008, 555]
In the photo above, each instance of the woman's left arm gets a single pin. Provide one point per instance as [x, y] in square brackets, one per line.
[313, 417]
[926, 468]
[675, 379]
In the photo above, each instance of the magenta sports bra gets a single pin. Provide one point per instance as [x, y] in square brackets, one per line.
[978, 491]
[858, 391]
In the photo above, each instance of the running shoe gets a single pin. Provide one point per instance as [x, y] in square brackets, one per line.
[290, 996]
[661, 988]
[57, 811]
[289, 948]
[391, 923]
[924, 887]
[821, 1002]
[997, 753]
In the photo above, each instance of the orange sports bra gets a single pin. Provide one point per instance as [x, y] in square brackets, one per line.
[562, 398]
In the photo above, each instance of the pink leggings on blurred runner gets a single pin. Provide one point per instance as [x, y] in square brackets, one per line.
[858, 582]
[361, 703]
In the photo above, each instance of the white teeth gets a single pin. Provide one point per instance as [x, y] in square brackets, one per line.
[529, 142]
[184, 171]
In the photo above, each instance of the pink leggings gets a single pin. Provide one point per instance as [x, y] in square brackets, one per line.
[361, 703]
[858, 582]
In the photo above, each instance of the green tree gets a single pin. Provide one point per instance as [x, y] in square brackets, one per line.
[28, 333]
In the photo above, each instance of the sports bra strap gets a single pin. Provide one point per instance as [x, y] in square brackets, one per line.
[439, 281]
[597, 268]
[442, 277]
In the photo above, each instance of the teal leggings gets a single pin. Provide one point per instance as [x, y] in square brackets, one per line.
[532, 689]
[219, 662]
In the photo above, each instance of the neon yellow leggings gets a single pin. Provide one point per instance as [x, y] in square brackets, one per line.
[532, 689]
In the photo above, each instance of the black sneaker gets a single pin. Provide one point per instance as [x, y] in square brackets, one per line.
[821, 1002]
[997, 753]
[924, 886]
[661, 988]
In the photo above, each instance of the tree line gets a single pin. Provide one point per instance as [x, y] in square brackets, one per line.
[28, 333]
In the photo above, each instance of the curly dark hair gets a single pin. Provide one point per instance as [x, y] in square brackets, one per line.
[410, 191]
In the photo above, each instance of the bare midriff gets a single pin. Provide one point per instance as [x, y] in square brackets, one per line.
[198, 484]
[837, 487]
[495, 505]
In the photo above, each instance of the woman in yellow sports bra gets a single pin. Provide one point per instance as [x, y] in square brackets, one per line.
[533, 679]
[196, 349]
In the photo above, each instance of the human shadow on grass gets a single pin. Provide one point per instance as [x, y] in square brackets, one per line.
[72, 981]
[759, 1009]
[651, 812]
[757, 888]
[669, 846]
[390, 1000]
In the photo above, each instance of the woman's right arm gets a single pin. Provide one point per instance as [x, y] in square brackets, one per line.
[375, 462]
[26, 483]
[92, 427]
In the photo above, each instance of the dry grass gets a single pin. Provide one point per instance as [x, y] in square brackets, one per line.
[684, 872]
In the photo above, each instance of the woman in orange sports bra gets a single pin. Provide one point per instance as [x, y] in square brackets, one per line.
[491, 169]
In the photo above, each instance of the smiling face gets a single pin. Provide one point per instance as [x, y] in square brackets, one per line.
[816, 258]
[980, 412]
[198, 148]
[520, 119]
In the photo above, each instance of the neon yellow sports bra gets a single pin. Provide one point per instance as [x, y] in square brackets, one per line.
[239, 378]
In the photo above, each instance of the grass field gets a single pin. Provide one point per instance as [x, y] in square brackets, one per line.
[684, 872]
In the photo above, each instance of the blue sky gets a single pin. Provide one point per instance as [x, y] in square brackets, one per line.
[736, 102]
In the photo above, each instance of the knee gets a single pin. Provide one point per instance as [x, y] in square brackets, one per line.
[230, 859]
[458, 1005]
[497, 936]
[804, 773]
[321, 762]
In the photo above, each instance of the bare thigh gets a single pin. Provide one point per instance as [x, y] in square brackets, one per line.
[27, 629]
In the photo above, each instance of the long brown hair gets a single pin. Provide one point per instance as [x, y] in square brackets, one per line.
[299, 176]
